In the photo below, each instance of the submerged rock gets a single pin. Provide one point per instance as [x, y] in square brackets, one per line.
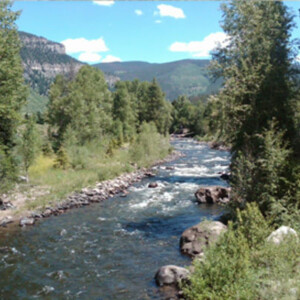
[195, 239]
[225, 176]
[26, 221]
[281, 233]
[152, 185]
[171, 275]
[213, 194]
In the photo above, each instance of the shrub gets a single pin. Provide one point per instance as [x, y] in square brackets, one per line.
[62, 159]
[149, 146]
[243, 265]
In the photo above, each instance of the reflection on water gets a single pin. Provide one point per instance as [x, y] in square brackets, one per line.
[113, 249]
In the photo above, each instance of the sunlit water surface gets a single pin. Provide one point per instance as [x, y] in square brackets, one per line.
[112, 250]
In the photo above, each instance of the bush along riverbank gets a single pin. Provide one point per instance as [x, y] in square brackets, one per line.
[47, 193]
[247, 259]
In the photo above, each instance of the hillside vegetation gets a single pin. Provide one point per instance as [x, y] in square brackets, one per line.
[185, 77]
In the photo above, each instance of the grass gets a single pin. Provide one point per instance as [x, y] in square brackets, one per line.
[90, 164]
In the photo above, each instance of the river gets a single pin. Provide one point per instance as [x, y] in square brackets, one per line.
[112, 250]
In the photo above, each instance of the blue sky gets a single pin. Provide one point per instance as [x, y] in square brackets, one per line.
[150, 31]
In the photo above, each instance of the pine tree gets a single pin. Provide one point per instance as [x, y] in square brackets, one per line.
[123, 110]
[30, 144]
[258, 93]
[256, 67]
[13, 92]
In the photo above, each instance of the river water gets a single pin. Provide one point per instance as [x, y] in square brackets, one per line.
[112, 250]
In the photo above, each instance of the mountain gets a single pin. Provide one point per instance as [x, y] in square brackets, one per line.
[189, 76]
[43, 60]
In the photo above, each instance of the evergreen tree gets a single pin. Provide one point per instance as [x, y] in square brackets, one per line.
[258, 93]
[157, 109]
[123, 109]
[12, 90]
[30, 144]
[256, 67]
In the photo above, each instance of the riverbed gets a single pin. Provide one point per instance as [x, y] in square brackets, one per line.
[111, 250]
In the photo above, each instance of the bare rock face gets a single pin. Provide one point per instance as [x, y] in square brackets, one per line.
[213, 194]
[280, 234]
[195, 239]
[171, 275]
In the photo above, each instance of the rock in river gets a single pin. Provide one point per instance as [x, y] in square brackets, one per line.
[171, 275]
[212, 194]
[195, 239]
[26, 221]
[152, 185]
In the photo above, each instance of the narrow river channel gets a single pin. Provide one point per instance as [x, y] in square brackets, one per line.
[112, 250]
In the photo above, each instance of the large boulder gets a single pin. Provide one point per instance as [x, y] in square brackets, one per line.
[212, 194]
[280, 234]
[171, 275]
[195, 239]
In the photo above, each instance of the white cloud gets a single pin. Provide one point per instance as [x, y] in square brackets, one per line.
[201, 48]
[138, 12]
[158, 21]
[83, 45]
[104, 2]
[89, 57]
[110, 58]
[170, 11]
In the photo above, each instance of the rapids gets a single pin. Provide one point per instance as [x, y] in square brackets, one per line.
[112, 250]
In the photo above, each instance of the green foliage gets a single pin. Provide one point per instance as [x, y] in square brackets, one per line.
[124, 112]
[47, 149]
[84, 104]
[225, 272]
[158, 111]
[36, 103]
[12, 90]
[256, 107]
[62, 159]
[30, 144]
[260, 174]
[8, 169]
[184, 77]
[148, 146]
[256, 68]
[243, 265]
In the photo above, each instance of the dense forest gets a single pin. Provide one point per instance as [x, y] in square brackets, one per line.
[101, 133]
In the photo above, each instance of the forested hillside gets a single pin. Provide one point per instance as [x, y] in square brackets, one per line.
[185, 77]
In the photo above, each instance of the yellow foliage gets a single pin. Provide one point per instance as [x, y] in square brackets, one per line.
[41, 166]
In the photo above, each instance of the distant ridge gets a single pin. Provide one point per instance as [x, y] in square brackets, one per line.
[43, 60]
[188, 76]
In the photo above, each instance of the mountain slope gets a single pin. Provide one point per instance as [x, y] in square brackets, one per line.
[43, 60]
[188, 76]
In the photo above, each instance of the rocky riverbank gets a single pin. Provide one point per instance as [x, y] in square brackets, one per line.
[100, 192]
